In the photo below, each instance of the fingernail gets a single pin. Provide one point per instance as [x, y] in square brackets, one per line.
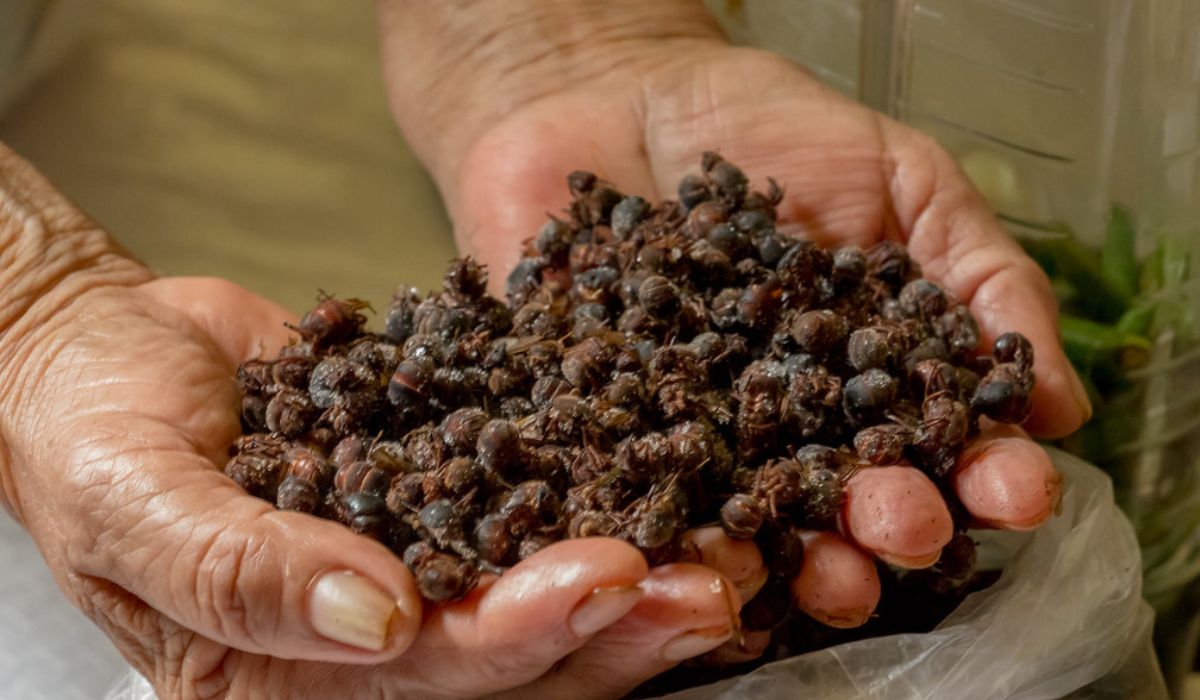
[723, 589]
[695, 643]
[1079, 393]
[747, 588]
[350, 609]
[914, 562]
[601, 608]
[842, 619]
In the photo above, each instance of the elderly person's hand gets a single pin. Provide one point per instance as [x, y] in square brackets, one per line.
[635, 92]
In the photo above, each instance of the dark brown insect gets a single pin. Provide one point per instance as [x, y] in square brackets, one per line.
[465, 280]
[923, 299]
[593, 523]
[889, 262]
[410, 385]
[461, 429]
[759, 303]
[957, 327]
[290, 412]
[659, 297]
[944, 429]
[868, 394]
[742, 516]
[759, 392]
[658, 517]
[307, 477]
[849, 265]
[254, 376]
[362, 475]
[256, 464]
[1004, 394]
[366, 514]
[406, 494]
[588, 363]
[332, 320]
[1015, 348]
[499, 448]
[627, 214]
[459, 479]
[291, 372]
[495, 540]
[398, 321]
[729, 181]
[440, 577]
[441, 523]
[884, 444]
[874, 347]
[819, 332]
[693, 190]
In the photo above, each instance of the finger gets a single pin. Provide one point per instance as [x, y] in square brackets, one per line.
[178, 662]
[1006, 480]
[838, 584]
[181, 536]
[739, 561]
[872, 177]
[959, 242]
[686, 610]
[242, 324]
[516, 177]
[897, 514]
[527, 620]
[748, 647]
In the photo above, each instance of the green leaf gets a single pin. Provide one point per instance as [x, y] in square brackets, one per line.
[1066, 260]
[1088, 344]
[1137, 319]
[1118, 261]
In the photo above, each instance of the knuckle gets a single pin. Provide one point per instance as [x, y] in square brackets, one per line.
[228, 585]
[132, 626]
[176, 661]
[512, 665]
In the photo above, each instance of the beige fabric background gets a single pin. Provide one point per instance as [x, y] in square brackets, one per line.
[247, 139]
[244, 139]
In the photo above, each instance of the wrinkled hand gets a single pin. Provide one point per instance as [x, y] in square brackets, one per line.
[851, 176]
[117, 404]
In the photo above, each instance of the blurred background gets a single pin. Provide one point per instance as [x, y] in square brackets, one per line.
[246, 140]
[249, 140]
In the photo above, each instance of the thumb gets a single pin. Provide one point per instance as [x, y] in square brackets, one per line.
[515, 178]
[192, 545]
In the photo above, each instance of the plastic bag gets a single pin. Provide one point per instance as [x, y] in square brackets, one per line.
[1066, 619]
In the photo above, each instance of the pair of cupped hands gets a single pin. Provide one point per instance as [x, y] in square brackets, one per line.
[117, 405]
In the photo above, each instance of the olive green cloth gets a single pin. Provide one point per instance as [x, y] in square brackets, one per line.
[249, 140]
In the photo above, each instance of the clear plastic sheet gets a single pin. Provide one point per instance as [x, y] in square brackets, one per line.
[1065, 620]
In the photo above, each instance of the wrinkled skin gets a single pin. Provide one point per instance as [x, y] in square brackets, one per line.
[118, 404]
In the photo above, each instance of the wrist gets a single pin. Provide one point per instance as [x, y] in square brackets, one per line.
[455, 71]
[50, 255]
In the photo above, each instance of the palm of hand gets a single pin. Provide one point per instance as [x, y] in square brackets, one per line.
[205, 589]
[851, 177]
[134, 391]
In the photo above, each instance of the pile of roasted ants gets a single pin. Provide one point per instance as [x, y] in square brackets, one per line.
[656, 368]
